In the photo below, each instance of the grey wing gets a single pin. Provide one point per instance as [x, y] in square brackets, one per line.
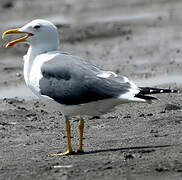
[71, 81]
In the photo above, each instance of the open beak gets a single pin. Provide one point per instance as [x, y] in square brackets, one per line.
[16, 31]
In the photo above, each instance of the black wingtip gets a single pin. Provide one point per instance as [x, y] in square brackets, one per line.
[175, 91]
[148, 98]
[150, 90]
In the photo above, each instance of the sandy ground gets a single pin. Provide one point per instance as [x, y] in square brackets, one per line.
[140, 39]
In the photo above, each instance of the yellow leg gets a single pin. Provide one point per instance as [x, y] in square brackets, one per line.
[81, 128]
[68, 131]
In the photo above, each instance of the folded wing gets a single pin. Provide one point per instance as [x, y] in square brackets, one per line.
[72, 81]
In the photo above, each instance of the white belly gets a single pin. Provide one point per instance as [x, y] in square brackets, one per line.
[92, 109]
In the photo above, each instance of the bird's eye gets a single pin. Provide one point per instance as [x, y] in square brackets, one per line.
[36, 27]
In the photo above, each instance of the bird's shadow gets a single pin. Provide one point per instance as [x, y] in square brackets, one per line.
[123, 149]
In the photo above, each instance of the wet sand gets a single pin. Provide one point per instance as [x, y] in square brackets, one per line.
[141, 40]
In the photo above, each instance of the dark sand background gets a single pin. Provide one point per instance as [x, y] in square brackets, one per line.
[141, 39]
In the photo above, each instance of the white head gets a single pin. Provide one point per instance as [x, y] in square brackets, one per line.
[40, 34]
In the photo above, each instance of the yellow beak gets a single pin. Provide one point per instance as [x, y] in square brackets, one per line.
[16, 31]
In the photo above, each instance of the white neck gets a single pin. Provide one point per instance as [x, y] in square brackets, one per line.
[33, 51]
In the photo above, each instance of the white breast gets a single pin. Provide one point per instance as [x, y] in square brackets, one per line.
[32, 70]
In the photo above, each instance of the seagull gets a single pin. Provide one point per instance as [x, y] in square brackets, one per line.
[70, 83]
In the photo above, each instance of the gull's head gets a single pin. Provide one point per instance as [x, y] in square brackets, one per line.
[38, 33]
